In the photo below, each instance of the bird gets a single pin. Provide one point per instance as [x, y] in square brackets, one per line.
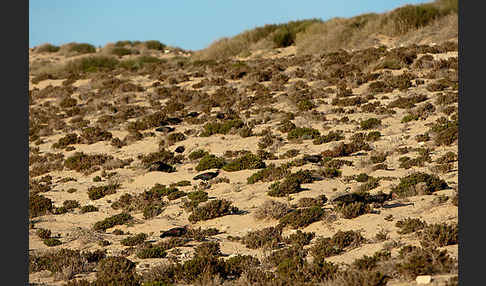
[174, 232]
[206, 176]
[312, 158]
[165, 129]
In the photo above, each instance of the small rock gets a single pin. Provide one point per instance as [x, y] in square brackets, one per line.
[423, 279]
[174, 232]
[313, 158]
[161, 167]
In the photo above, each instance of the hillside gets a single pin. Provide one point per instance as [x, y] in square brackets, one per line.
[151, 165]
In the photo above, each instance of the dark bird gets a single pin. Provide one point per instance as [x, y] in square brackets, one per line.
[170, 120]
[174, 232]
[206, 176]
[192, 114]
[165, 129]
[180, 149]
[161, 167]
[313, 158]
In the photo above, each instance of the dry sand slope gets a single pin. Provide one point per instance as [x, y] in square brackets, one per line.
[262, 90]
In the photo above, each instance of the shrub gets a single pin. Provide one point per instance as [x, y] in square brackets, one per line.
[424, 261]
[302, 217]
[410, 225]
[121, 51]
[303, 133]
[39, 205]
[329, 246]
[407, 184]
[95, 193]
[43, 233]
[439, 235]
[109, 222]
[247, 161]
[47, 48]
[83, 163]
[210, 162]
[92, 135]
[197, 154]
[331, 136]
[305, 105]
[286, 187]
[221, 128]
[134, 239]
[82, 48]
[51, 241]
[268, 174]
[153, 210]
[272, 209]
[88, 208]
[151, 252]
[448, 157]
[154, 45]
[353, 209]
[370, 123]
[311, 202]
[116, 270]
[269, 237]
[198, 196]
[91, 64]
[175, 137]
[212, 209]
[70, 204]
[299, 238]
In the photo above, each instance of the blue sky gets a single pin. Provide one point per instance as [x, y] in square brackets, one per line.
[191, 25]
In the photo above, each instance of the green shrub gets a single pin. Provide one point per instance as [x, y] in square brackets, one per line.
[109, 222]
[116, 270]
[91, 64]
[269, 238]
[302, 217]
[210, 161]
[210, 248]
[424, 261]
[353, 209]
[410, 225]
[82, 48]
[407, 184]
[134, 239]
[268, 174]
[305, 105]
[95, 193]
[303, 133]
[51, 241]
[331, 136]
[43, 233]
[47, 48]
[152, 210]
[299, 238]
[70, 204]
[88, 208]
[439, 235]
[197, 154]
[212, 209]
[154, 45]
[247, 161]
[283, 37]
[329, 246]
[151, 252]
[39, 205]
[221, 128]
[175, 137]
[286, 187]
[198, 196]
[120, 51]
[83, 163]
[370, 123]
[410, 117]
[138, 62]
